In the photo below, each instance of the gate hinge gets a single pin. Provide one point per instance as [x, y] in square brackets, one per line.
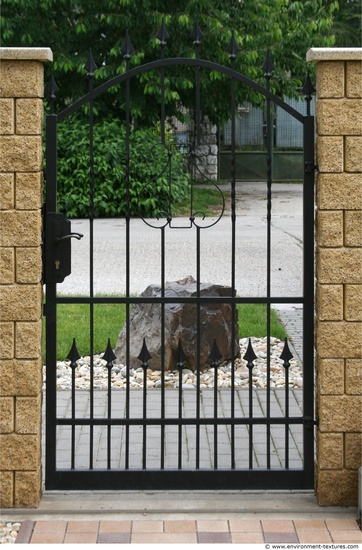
[309, 422]
[309, 166]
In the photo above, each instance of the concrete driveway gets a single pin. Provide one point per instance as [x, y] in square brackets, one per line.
[215, 246]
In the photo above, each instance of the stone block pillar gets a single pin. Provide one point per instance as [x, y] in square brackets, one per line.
[338, 273]
[21, 158]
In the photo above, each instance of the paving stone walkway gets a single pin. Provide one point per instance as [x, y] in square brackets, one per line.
[277, 408]
[221, 531]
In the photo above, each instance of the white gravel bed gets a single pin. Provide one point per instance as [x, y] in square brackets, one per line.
[9, 532]
[189, 379]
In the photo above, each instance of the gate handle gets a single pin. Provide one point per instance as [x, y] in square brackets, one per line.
[78, 236]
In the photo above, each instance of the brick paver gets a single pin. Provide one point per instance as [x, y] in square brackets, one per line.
[237, 531]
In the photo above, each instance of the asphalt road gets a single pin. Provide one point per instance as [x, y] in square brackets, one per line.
[215, 247]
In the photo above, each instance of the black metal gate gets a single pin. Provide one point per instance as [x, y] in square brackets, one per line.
[178, 438]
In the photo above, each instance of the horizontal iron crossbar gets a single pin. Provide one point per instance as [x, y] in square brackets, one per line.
[102, 479]
[179, 300]
[177, 421]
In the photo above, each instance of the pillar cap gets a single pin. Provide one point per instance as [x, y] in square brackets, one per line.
[26, 54]
[334, 54]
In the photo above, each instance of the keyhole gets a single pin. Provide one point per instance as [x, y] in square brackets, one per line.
[57, 264]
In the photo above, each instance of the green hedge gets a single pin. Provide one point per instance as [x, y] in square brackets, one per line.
[157, 177]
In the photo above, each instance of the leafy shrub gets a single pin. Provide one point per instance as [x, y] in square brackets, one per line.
[157, 177]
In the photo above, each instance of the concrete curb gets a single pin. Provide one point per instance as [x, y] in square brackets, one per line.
[25, 532]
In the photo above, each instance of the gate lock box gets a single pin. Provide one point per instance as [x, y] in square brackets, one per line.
[58, 237]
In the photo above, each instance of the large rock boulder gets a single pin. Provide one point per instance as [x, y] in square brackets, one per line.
[180, 324]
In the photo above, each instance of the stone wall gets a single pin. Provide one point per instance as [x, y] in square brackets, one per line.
[21, 123]
[338, 273]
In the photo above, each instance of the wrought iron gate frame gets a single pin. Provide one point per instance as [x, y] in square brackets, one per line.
[130, 478]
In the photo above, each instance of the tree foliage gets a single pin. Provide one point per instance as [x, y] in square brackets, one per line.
[157, 177]
[347, 24]
[287, 28]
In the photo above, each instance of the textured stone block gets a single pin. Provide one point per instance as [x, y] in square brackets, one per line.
[330, 376]
[330, 451]
[20, 228]
[353, 451]
[337, 488]
[353, 303]
[19, 452]
[21, 303]
[340, 413]
[353, 154]
[21, 377]
[330, 151]
[353, 228]
[339, 117]
[329, 228]
[6, 415]
[339, 265]
[27, 489]
[6, 116]
[6, 489]
[28, 265]
[21, 78]
[354, 376]
[28, 415]
[20, 153]
[354, 79]
[6, 191]
[28, 340]
[7, 340]
[7, 266]
[29, 190]
[330, 79]
[339, 339]
[29, 116]
[339, 191]
[330, 302]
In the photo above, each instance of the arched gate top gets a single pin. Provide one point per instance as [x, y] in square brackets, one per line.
[169, 62]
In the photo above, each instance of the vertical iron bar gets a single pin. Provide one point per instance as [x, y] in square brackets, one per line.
[286, 355]
[250, 417]
[128, 218]
[215, 416]
[198, 114]
[73, 417]
[197, 35]
[233, 243]
[269, 141]
[51, 313]
[163, 113]
[286, 417]
[250, 357]
[109, 415]
[109, 357]
[163, 251]
[163, 36]
[198, 346]
[73, 356]
[180, 416]
[144, 357]
[144, 428]
[91, 267]
[180, 363]
[308, 293]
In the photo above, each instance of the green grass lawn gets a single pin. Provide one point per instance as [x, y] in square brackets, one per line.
[206, 200]
[73, 322]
